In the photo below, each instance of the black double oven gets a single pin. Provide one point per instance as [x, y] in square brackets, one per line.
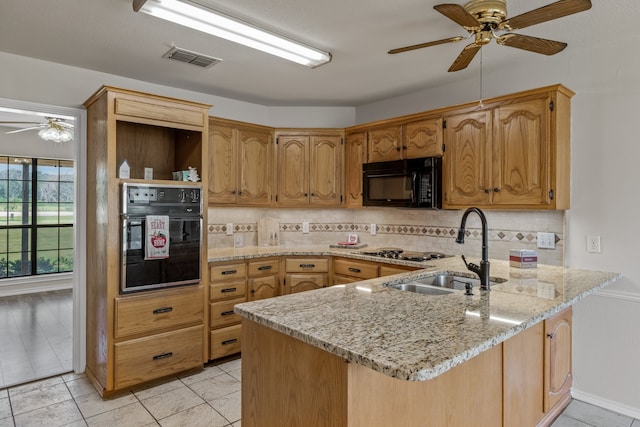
[181, 206]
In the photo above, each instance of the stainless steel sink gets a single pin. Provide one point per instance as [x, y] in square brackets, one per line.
[441, 284]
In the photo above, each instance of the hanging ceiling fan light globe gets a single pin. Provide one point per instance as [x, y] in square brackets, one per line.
[491, 12]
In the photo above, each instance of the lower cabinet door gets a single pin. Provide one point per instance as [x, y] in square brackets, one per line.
[306, 282]
[225, 341]
[148, 358]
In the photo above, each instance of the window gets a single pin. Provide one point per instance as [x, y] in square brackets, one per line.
[36, 216]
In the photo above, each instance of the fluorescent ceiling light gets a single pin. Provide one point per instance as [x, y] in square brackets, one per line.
[210, 21]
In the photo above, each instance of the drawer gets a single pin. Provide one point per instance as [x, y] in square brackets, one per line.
[307, 265]
[148, 358]
[226, 290]
[228, 272]
[225, 341]
[354, 268]
[260, 268]
[149, 313]
[221, 313]
[388, 270]
[152, 110]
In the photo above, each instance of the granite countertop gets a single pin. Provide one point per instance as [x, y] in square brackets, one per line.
[410, 336]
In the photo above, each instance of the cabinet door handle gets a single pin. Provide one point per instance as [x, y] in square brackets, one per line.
[229, 341]
[227, 313]
[226, 290]
[398, 148]
[486, 190]
[307, 265]
[253, 291]
[265, 267]
[224, 273]
[550, 336]
[163, 310]
[162, 356]
[355, 270]
[496, 190]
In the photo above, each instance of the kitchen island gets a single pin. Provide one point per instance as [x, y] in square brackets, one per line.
[363, 354]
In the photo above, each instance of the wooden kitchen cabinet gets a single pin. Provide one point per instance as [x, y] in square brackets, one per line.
[558, 375]
[514, 153]
[148, 131]
[309, 169]
[264, 279]
[228, 287]
[354, 156]
[384, 144]
[305, 274]
[240, 163]
[347, 270]
[422, 138]
[391, 269]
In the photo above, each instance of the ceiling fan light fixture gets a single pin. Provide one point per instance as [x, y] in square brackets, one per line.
[210, 21]
[56, 133]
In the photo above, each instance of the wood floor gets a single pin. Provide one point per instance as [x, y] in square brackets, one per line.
[35, 336]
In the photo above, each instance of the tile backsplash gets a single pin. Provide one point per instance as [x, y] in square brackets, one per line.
[410, 229]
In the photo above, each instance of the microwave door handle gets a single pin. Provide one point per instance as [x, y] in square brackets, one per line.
[414, 178]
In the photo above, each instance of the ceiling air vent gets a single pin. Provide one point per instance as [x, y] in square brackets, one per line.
[190, 57]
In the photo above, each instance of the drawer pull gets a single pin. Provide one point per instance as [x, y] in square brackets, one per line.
[162, 356]
[163, 310]
[265, 267]
[307, 265]
[229, 341]
[225, 290]
[227, 313]
[224, 273]
[355, 270]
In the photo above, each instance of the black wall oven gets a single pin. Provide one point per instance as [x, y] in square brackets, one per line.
[181, 207]
[411, 183]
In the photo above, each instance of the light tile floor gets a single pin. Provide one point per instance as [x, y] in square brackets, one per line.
[210, 398]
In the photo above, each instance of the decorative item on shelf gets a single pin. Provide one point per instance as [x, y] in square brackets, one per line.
[192, 175]
[177, 176]
[148, 173]
[124, 171]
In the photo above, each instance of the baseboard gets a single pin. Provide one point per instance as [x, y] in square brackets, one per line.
[629, 411]
[34, 284]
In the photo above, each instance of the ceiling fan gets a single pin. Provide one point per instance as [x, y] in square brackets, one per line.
[55, 129]
[485, 19]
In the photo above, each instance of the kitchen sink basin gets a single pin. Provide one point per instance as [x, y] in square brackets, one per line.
[441, 284]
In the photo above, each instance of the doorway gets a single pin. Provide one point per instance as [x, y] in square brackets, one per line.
[44, 314]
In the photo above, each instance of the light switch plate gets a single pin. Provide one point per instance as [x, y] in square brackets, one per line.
[546, 240]
[373, 229]
[305, 227]
[229, 229]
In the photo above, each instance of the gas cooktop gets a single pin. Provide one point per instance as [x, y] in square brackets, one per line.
[398, 253]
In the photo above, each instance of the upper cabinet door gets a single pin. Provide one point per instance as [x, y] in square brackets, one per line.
[354, 157]
[384, 144]
[422, 138]
[465, 163]
[325, 166]
[222, 164]
[293, 167]
[255, 157]
[521, 153]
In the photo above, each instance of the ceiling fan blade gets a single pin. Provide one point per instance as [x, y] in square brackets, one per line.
[532, 44]
[23, 130]
[458, 14]
[547, 13]
[465, 57]
[421, 45]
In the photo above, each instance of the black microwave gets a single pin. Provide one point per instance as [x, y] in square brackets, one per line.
[411, 183]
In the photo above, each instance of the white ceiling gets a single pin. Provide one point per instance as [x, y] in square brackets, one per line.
[108, 36]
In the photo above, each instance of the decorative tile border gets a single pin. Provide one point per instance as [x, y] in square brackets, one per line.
[523, 236]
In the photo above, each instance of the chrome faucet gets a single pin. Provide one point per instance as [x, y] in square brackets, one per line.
[483, 269]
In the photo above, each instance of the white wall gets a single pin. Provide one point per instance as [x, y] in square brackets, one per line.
[32, 80]
[605, 176]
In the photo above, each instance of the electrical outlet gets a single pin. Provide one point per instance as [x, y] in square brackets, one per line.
[305, 227]
[593, 244]
[229, 229]
[238, 241]
[547, 240]
[373, 229]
